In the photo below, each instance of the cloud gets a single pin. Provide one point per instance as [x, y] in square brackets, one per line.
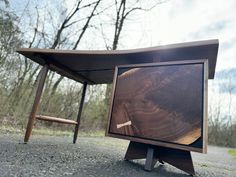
[185, 20]
[172, 22]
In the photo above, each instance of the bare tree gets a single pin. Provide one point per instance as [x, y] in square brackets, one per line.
[42, 30]
[123, 10]
[221, 128]
[68, 22]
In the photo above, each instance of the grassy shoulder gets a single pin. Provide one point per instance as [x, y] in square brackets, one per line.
[51, 132]
[232, 152]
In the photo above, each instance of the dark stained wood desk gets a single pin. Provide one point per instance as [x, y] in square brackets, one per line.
[97, 67]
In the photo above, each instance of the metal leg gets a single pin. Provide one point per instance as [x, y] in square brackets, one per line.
[79, 113]
[40, 84]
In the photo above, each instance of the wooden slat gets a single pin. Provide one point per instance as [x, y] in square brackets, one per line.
[55, 119]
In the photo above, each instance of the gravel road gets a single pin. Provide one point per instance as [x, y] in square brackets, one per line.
[101, 156]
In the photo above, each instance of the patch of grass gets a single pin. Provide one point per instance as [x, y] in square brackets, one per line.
[232, 152]
[4, 129]
[54, 132]
[50, 132]
[97, 133]
[203, 165]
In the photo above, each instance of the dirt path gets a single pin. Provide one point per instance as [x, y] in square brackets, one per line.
[57, 156]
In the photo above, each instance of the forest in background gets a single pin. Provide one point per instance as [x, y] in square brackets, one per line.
[58, 26]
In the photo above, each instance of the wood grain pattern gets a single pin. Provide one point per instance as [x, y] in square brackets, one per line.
[97, 67]
[162, 102]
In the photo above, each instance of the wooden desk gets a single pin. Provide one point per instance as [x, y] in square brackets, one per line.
[97, 67]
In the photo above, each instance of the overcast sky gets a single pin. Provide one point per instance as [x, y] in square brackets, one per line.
[189, 20]
[173, 22]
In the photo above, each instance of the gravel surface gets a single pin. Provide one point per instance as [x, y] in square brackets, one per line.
[56, 156]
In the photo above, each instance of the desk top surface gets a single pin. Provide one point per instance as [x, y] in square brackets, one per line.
[97, 67]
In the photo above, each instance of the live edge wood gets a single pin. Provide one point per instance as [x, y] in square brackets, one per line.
[178, 158]
[55, 119]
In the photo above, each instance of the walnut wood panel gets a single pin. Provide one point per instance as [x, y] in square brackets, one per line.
[136, 151]
[180, 159]
[55, 119]
[97, 67]
[162, 103]
[205, 106]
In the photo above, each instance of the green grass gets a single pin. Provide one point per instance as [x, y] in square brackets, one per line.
[232, 152]
[8, 129]
[203, 165]
[55, 132]
[51, 132]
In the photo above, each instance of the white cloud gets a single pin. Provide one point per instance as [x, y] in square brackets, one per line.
[171, 22]
[184, 20]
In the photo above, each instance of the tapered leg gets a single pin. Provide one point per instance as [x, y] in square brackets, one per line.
[79, 113]
[40, 84]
